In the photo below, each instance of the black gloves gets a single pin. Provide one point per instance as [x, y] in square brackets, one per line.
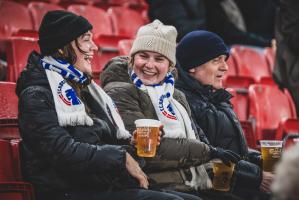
[226, 156]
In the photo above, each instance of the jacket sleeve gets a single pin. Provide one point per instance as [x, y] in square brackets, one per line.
[182, 152]
[42, 134]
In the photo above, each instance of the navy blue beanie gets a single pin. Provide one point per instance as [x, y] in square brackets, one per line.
[199, 47]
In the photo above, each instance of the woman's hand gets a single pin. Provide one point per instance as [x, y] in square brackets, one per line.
[134, 138]
[134, 170]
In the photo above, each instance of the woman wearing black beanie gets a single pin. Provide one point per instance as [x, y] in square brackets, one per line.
[69, 124]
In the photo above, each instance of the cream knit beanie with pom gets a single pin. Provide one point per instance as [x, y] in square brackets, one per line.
[156, 37]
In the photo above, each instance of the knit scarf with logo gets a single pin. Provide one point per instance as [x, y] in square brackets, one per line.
[69, 108]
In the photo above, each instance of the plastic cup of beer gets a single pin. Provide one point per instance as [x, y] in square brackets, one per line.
[271, 153]
[147, 136]
[222, 175]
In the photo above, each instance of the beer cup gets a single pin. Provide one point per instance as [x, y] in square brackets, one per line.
[271, 152]
[147, 136]
[222, 175]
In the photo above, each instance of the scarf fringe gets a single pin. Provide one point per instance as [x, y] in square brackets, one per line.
[74, 119]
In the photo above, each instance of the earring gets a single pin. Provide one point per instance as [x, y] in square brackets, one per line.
[60, 51]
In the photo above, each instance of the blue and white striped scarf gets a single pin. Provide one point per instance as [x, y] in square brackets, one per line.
[69, 108]
[171, 113]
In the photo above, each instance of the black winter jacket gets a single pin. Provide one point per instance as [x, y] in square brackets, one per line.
[59, 159]
[213, 113]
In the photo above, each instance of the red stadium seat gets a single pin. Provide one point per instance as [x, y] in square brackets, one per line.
[17, 53]
[38, 10]
[240, 103]
[8, 111]
[250, 62]
[124, 46]
[96, 16]
[270, 57]
[6, 167]
[125, 21]
[268, 106]
[8, 101]
[11, 188]
[14, 16]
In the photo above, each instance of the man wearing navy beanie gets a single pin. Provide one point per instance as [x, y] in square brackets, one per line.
[201, 57]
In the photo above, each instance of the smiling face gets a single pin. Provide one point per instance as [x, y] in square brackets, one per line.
[150, 67]
[211, 72]
[84, 50]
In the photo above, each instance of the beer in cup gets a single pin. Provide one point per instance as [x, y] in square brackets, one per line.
[147, 136]
[222, 175]
[271, 152]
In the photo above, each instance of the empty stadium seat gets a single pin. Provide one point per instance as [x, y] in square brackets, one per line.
[96, 16]
[250, 62]
[14, 16]
[240, 102]
[124, 46]
[8, 101]
[38, 10]
[17, 53]
[11, 187]
[8, 111]
[268, 106]
[270, 57]
[125, 21]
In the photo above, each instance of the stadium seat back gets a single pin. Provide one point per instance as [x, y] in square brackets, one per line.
[8, 101]
[124, 46]
[38, 10]
[250, 62]
[268, 107]
[18, 51]
[96, 16]
[14, 16]
[125, 21]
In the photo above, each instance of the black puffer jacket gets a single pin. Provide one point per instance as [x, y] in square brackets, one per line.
[213, 113]
[60, 159]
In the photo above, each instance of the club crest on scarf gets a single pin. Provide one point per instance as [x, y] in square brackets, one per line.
[165, 109]
[67, 95]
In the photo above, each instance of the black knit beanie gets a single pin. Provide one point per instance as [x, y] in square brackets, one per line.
[58, 28]
[199, 47]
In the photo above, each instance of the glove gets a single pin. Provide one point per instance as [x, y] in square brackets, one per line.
[226, 156]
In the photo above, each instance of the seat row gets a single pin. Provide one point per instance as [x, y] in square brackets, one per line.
[117, 20]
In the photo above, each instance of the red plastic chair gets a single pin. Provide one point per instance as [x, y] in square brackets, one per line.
[240, 103]
[39, 9]
[250, 62]
[126, 22]
[8, 101]
[14, 16]
[10, 185]
[8, 111]
[270, 57]
[96, 16]
[125, 46]
[17, 54]
[267, 108]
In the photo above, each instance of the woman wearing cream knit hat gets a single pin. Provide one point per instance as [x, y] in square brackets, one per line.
[142, 86]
